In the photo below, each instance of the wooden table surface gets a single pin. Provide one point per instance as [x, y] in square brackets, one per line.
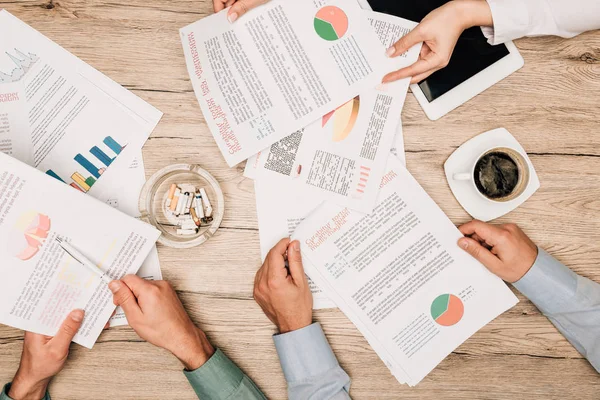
[552, 106]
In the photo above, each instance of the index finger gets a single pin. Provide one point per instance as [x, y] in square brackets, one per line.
[421, 66]
[487, 232]
[136, 284]
[406, 42]
[276, 259]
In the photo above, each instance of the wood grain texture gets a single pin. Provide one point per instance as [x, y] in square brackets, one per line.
[551, 105]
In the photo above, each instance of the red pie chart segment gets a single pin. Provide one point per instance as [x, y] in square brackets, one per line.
[331, 23]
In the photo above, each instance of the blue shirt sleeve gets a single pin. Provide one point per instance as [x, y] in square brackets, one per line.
[571, 302]
[311, 369]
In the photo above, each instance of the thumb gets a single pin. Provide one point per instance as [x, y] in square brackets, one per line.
[295, 262]
[124, 297]
[481, 254]
[241, 7]
[67, 331]
[405, 43]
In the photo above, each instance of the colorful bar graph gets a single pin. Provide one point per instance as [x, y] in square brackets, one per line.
[80, 180]
[100, 155]
[91, 168]
[53, 174]
[112, 143]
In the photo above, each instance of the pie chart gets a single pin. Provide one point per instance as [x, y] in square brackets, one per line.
[447, 309]
[344, 119]
[331, 23]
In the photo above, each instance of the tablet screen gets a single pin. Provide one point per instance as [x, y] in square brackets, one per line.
[472, 54]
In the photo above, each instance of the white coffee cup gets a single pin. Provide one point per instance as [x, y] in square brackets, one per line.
[516, 157]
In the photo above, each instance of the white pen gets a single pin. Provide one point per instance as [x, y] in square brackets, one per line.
[81, 259]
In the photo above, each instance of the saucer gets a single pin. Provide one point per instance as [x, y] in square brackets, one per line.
[462, 160]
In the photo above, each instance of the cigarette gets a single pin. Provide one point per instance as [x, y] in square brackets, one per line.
[208, 208]
[188, 204]
[181, 204]
[171, 194]
[188, 225]
[199, 208]
[195, 216]
[176, 195]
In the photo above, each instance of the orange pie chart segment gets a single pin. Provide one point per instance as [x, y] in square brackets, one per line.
[447, 310]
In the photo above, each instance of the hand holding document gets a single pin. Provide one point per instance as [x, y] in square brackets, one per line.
[280, 67]
[399, 275]
[41, 283]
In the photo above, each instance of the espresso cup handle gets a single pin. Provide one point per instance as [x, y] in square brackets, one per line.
[464, 176]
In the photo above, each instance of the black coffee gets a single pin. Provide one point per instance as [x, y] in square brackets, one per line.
[496, 175]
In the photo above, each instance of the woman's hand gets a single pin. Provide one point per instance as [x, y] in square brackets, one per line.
[439, 31]
[238, 7]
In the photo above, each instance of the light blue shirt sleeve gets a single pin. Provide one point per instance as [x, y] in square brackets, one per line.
[311, 369]
[571, 302]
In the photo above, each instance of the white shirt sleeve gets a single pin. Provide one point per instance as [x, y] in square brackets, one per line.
[517, 18]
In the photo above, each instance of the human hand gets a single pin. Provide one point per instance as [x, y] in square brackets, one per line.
[156, 314]
[504, 249]
[284, 296]
[439, 31]
[42, 358]
[238, 7]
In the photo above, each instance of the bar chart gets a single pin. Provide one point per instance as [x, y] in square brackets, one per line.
[100, 157]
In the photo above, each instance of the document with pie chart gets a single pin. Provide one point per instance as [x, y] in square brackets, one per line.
[342, 156]
[399, 275]
[282, 66]
[40, 284]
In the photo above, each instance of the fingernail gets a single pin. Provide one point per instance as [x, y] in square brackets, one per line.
[232, 17]
[77, 315]
[114, 286]
[296, 246]
[390, 52]
[463, 243]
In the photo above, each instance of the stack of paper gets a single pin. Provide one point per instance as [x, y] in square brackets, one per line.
[298, 83]
[41, 283]
[63, 117]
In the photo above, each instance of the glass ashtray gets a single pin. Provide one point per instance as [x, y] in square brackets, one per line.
[153, 200]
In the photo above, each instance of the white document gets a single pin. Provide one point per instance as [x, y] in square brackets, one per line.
[125, 198]
[342, 156]
[77, 131]
[280, 67]
[280, 209]
[15, 135]
[40, 282]
[400, 276]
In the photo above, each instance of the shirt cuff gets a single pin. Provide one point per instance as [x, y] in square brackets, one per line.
[549, 284]
[218, 378]
[4, 393]
[304, 353]
[511, 21]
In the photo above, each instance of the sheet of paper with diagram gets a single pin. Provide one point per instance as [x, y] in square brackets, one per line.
[280, 67]
[342, 156]
[40, 283]
[400, 276]
[51, 96]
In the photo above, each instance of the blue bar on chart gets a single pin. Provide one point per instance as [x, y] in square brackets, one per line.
[91, 168]
[100, 155]
[112, 143]
[53, 174]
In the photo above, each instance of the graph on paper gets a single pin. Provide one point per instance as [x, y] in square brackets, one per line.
[93, 164]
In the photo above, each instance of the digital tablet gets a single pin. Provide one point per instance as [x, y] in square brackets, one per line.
[474, 66]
